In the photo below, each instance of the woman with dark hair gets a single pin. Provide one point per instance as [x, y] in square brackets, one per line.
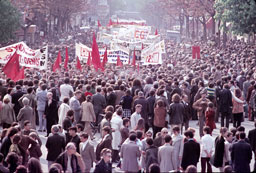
[140, 125]
[176, 111]
[238, 108]
[136, 84]
[34, 166]
[12, 160]
[21, 169]
[88, 115]
[159, 117]
[148, 86]
[126, 102]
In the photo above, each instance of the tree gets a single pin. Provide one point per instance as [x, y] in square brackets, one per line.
[9, 21]
[240, 14]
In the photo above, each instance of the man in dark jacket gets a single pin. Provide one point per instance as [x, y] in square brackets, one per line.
[104, 165]
[99, 103]
[111, 97]
[7, 141]
[68, 156]
[144, 111]
[241, 155]
[106, 142]
[51, 112]
[55, 145]
[151, 154]
[71, 136]
[252, 139]
[151, 104]
[225, 105]
[191, 152]
[15, 99]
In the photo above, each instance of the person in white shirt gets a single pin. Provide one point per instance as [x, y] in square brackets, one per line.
[66, 90]
[207, 149]
[136, 116]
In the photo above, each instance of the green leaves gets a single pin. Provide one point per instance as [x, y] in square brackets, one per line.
[9, 21]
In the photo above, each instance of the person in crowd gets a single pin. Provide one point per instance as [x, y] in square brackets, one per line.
[7, 141]
[106, 142]
[68, 121]
[228, 144]
[55, 145]
[80, 128]
[87, 151]
[68, 159]
[13, 161]
[56, 168]
[27, 130]
[130, 152]
[63, 109]
[51, 112]
[225, 105]
[191, 152]
[159, 139]
[125, 130]
[116, 124]
[15, 147]
[154, 168]
[210, 116]
[151, 100]
[66, 90]
[252, 139]
[151, 153]
[99, 103]
[136, 85]
[166, 156]
[15, 99]
[119, 94]
[25, 113]
[106, 121]
[207, 149]
[191, 169]
[34, 165]
[159, 117]
[126, 103]
[187, 113]
[7, 114]
[41, 98]
[104, 165]
[176, 111]
[140, 125]
[35, 150]
[177, 143]
[252, 103]
[136, 116]
[238, 108]
[88, 115]
[111, 97]
[72, 136]
[75, 106]
[241, 154]
[2, 167]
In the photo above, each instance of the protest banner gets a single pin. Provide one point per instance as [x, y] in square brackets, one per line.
[27, 57]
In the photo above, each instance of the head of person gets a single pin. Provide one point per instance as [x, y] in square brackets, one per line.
[242, 136]
[191, 169]
[206, 130]
[106, 155]
[138, 108]
[228, 169]
[110, 108]
[43, 87]
[21, 169]
[25, 101]
[140, 94]
[16, 139]
[79, 127]
[105, 130]
[149, 141]
[66, 100]
[132, 137]
[139, 134]
[119, 111]
[108, 115]
[88, 98]
[66, 81]
[189, 134]
[223, 131]
[128, 93]
[164, 132]
[229, 137]
[148, 134]
[27, 125]
[49, 95]
[168, 139]
[141, 124]
[238, 93]
[176, 98]
[70, 148]
[34, 165]
[160, 103]
[84, 137]
[154, 168]
[98, 89]
[184, 98]
[78, 94]
[12, 159]
[176, 130]
[240, 129]
[126, 122]
[56, 168]
[203, 93]
[55, 129]
[72, 131]
[11, 132]
[136, 82]
[70, 114]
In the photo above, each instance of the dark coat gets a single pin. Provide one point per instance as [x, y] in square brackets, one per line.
[66, 123]
[219, 151]
[124, 134]
[63, 160]
[102, 167]
[144, 109]
[105, 143]
[35, 151]
[55, 145]
[15, 100]
[51, 112]
[252, 138]
[75, 140]
[151, 156]
[5, 146]
[99, 103]
[241, 156]
[111, 99]
[151, 103]
[126, 102]
[225, 101]
[187, 112]
[176, 113]
[191, 154]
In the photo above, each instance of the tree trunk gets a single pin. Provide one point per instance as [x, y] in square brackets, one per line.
[197, 27]
[193, 28]
[213, 26]
[204, 30]
[219, 33]
[181, 24]
[224, 34]
[187, 27]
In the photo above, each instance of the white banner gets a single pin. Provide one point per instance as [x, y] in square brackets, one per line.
[153, 53]
[82, 52]
[27, 57]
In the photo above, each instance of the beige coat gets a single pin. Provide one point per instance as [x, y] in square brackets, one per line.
[166, 158]
[7, 114]
[88, 155]
[87, 112]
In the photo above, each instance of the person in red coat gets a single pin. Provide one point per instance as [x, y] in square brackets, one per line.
[209, 116]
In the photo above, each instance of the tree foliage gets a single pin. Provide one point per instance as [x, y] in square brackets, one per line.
[9, 21]
[240, 14]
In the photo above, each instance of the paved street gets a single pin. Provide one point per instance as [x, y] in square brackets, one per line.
[248, 126]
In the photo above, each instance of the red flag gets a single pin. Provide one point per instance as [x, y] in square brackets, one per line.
[156, 32]
[99, 25]
[66, 60]
[105, 58]
[89, 60]
[57, 63]
[20, 75]
[119, 62]
[196, 52]
[95, 54]
[78, 64]
[110, 22]
[12, 68]
[134, 58]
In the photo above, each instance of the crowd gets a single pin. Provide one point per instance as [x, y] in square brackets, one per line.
[143, 116]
